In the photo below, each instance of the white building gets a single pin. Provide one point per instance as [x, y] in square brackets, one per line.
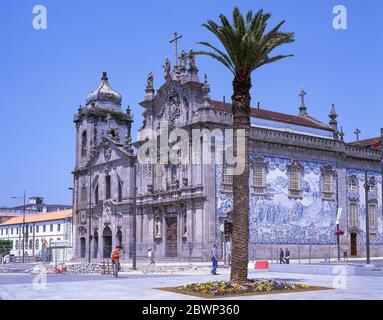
[43, 232]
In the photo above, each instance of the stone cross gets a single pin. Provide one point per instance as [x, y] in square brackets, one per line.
[174, 40]
[357, 132]
[302, 95]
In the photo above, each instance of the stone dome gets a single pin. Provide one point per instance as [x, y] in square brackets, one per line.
[104, 95]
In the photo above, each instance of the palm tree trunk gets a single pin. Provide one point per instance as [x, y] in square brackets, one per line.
[240, 232]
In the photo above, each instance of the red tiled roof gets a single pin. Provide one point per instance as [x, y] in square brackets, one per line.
[374, 143]
[38, 217]
[276, 116]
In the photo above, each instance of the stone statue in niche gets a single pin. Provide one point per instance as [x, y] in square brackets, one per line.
[157, 227]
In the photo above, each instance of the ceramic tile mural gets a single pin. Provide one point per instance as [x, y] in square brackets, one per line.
[277, 219]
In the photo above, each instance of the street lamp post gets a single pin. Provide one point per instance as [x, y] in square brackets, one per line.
[23, 227]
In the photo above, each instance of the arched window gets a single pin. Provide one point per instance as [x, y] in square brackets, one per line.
[353, 213]
[84, 143]
[96, 195]
[83, 194]
[372, 215]
[119, 190]
[107, 187]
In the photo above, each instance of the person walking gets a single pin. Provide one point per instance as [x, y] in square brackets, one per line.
[287, 256]
[214, 260]
[281, 256]
[116, 261]
[151, 256]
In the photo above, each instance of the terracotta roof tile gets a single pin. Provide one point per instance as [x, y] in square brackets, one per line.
[38, 217]
[374, 143]
[276, 116]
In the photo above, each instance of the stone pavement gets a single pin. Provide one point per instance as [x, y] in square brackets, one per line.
[143, 286]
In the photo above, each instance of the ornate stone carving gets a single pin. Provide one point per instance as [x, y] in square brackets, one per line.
[167, 67]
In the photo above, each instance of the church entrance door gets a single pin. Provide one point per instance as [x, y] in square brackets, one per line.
[82, 247]
[353, 244]
[171, 237]
[107, 242]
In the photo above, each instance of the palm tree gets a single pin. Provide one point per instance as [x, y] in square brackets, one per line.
[247, 47]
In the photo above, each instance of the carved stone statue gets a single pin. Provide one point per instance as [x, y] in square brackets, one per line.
[167, 67]
[149, 83]
[183, 61]
[192, 64]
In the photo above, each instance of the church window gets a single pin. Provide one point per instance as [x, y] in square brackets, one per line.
[295, 170]
[327, 182]
[83, 194]
[96, 195]
[353, 215]
[84, 144]
[107, 188]
[227, 175]
[259, 176]
[119, 190]
[372, 215]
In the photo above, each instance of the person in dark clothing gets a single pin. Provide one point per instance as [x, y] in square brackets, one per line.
[287, 256]
[281, 256]
[214, 260]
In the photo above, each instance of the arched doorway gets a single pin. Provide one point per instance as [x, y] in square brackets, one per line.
[82, 247]
[107, 241]
[95, 245]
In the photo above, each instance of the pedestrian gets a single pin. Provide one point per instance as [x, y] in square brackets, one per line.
[287, 256]
[116, 261]
[214, 260]
[281, 256]
[151, 256]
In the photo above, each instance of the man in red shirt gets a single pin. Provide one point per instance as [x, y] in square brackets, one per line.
[116, 260]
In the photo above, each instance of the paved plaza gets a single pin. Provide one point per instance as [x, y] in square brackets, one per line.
[136, 285]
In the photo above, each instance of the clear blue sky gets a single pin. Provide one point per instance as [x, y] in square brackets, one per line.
[46, 74]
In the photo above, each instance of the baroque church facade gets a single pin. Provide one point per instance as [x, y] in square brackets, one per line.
[302, 173]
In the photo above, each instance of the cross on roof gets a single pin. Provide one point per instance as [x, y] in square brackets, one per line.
[302, 95]
[176, 37]
[357, 132]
